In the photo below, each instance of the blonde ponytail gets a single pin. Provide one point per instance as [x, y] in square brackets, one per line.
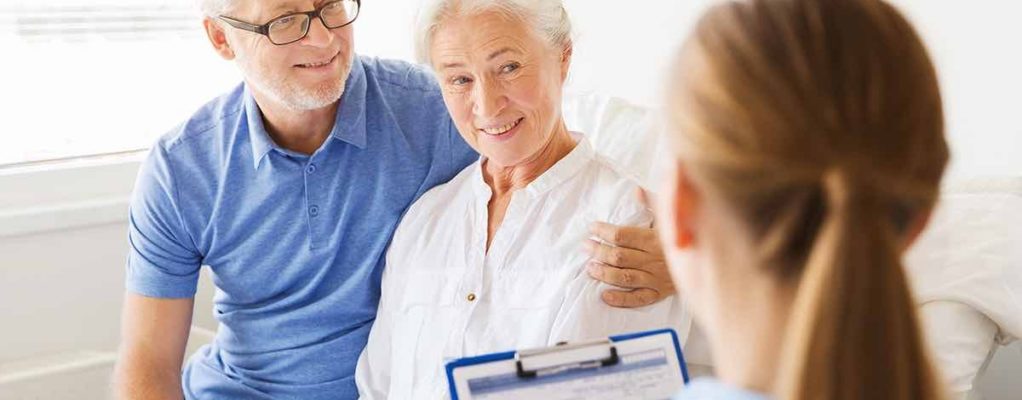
[853, 332]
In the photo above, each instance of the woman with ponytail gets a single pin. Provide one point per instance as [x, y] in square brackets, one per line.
[808, 152]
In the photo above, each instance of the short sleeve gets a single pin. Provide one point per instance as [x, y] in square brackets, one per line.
[373, 372]
[162, 259]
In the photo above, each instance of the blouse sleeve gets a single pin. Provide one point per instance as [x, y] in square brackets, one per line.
[584, 314]
[372, 375]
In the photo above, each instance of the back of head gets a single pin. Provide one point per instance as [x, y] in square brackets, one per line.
[819, 123]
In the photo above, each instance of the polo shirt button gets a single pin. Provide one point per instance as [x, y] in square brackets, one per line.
[311, 168]
[314, 210]
[471, 297]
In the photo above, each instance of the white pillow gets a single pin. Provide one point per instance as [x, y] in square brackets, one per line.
[971, 252]
[966, 272]
[625, 134]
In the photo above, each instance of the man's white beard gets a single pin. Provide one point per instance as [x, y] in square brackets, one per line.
[295, 97]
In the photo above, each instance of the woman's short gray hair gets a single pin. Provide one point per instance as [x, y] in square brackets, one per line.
[547, 17]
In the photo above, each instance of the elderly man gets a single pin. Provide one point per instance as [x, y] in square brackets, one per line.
[289, 188]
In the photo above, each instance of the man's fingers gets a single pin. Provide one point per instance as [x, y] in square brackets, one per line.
[618, 256]
[630, 299]
[621, 277]
[631, 237]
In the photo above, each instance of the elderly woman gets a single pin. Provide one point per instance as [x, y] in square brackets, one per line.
[490, 261]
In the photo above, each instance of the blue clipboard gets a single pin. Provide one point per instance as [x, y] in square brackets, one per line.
[515, 355]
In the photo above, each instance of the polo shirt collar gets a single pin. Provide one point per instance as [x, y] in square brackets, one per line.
[349, 126]
[262, 143]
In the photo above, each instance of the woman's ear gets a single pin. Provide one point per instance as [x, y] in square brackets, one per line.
[566, 61]
[218, 38]
[916, 228]
[683, 209]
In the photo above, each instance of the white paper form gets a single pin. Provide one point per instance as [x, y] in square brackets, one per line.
[648, 368]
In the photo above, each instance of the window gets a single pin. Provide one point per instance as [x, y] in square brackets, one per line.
[82, 78]
[86, 86]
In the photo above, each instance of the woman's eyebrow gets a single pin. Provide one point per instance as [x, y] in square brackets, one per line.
[497, 53]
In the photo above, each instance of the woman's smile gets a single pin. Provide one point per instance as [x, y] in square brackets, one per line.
[504, 132]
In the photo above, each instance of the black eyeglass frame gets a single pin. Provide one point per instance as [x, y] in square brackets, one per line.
[264, 29]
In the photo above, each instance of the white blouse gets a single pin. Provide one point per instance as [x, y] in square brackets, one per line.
[444, 297]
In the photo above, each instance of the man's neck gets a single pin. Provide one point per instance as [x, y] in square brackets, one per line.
[302, 131]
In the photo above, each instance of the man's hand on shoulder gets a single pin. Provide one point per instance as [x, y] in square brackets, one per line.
[632, 259]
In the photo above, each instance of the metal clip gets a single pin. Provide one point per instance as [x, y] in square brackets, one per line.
[612, 359]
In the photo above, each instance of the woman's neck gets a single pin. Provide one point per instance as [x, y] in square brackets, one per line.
[750, 336]
[505, 180]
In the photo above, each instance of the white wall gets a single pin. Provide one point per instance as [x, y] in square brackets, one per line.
[60, 305]
[623, 48]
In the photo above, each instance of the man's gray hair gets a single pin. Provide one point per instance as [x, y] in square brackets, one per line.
[547, 17]
[214, 8]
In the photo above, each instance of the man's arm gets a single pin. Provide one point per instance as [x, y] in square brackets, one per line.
[154, 333]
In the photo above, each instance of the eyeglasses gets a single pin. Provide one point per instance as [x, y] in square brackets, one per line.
[293, 27]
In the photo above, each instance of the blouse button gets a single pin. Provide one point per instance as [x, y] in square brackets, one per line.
[471, 297]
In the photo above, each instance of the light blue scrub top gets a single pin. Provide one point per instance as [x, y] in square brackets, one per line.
[712, 389]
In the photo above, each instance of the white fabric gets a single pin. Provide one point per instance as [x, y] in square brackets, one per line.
[966, 271]
[628, 136]
[962, 342]
[530, 289]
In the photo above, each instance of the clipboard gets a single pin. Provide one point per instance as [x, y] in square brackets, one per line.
[643, 365]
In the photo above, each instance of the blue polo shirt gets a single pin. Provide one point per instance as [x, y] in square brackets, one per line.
[295, 243]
